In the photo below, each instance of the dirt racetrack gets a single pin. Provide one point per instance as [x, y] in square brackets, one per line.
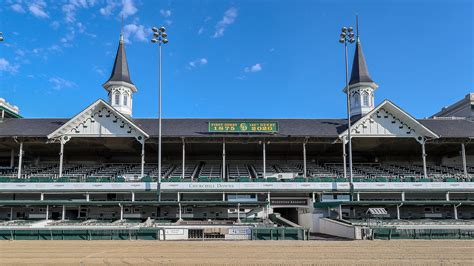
[395, 252]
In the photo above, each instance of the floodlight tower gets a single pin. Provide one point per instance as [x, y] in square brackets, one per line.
[160, 38]
[347, 37]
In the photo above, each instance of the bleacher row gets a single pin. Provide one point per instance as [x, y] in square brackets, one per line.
[240, 171]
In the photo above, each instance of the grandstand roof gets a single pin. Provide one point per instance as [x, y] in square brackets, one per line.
[324, 128]
[120, 69]
[360, 72]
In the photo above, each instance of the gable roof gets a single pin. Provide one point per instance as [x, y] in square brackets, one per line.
[80, 117]
[400, 114]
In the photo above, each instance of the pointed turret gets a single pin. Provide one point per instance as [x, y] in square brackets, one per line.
[361, 86]
[119, 86]
[360, 72]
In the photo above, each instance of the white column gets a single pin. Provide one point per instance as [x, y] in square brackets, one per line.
[358, 196]
[223, 196]
[61, 153]
[12, 158]
[464, 163]
[184, 158]
[133, 196]
[398, 211]
[340, 211]
[42, 196]
[268, 197]
[264, 161]
[344, 155]
[20, 159]
[425, 174]
[142, 171]
[87, 197]
[455, 211]
[47, 212]
[121, 212]
[304, 160]
[447, 196]
[63, 215]
[223, 161]
[179, 206]
[314, 197]
[238, 212]
[179, 196]
[403, 195]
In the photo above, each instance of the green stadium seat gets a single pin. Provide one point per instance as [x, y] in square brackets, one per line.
[119, 179]
[175, 179]
[299, 179]
[381, 179]
[260, 180]
[215, 179]
[243, 179]
[450, 179]
[341, 179]
[424, 180]
[204, 179]
[327, 179]
[146, 179]
[272, 179]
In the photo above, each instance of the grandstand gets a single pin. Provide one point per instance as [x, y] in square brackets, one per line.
[95, 175]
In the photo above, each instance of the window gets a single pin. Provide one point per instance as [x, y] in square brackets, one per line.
[117, 99]
[356, 99]
[125, 99]
[365, 99]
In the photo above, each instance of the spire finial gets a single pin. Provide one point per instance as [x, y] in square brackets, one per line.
[357, 27]
[121, 31]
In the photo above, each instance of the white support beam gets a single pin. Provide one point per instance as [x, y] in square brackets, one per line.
[238, 213]
[184, 160]
[61, 158]
[264, 160]
[304, 160]
[358, 196]
[447, 196]
[87, 197]
[425, 173]
[178, 196]
[11, 213]
[223, 161]
[179, 206]
[344, 157]
[398, 210]
[47, 212]
[20, 159]
[223, 196]
[339, 211]
[12, 158]
[456, 211]
[142, 170]
[314, 197]
[133, 196]
[121, 212]
[464, 163]
[63, 213]
[42, 196]
[403, 195]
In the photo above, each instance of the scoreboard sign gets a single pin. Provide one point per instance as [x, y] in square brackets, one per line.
[243, 127]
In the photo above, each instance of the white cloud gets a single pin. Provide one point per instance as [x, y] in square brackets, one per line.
[229, 17]
[201, 30]
[37, 9]
[55, 24]
[197, 63]
[135, 31]
[254, 68]
[71, 7]
[108, 8]
[165, 13]
[128, 8]
[5, 66]
[60, 83]
[18, 8]
[99, 70]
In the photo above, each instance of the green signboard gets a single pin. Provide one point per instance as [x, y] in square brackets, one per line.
[243, 127]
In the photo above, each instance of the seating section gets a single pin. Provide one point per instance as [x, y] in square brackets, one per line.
[237, 171]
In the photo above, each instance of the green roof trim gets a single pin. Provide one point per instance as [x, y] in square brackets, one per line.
[333, 204]
[8, 111]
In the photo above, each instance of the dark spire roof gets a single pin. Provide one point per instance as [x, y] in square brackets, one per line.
[120, 70]
[360, 73]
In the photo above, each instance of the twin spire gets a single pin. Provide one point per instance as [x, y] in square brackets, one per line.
[360, 72]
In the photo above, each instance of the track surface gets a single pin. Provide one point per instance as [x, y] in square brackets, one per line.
[395, 252]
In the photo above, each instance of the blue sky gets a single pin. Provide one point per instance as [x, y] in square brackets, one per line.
[244, 59]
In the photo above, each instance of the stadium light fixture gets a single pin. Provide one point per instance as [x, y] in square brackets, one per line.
[347, 37]
[1, 36]
[160, 38]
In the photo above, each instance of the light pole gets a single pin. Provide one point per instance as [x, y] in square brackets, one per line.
[1, 36]
[160, 38]
[347, 36]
